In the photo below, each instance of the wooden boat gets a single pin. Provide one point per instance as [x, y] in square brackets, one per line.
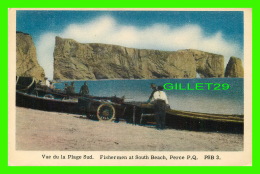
[30, 96]
[202, 116]
[46, 103]
[26, 96]
[190, 120]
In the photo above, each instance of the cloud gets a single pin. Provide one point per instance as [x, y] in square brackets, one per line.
[106, 29]
[45, 48]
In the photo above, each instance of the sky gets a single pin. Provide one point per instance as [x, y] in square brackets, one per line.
[219, 32]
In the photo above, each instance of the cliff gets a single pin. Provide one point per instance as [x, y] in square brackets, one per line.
[78, 61]
[26, 60]
[234, 68]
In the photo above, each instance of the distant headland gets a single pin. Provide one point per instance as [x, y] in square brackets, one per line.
[91, 61]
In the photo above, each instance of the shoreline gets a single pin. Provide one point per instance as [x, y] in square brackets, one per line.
[91, 80]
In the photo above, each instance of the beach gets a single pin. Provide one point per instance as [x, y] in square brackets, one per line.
[52, 131]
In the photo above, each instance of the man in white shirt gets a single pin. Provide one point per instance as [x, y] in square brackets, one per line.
[47, 82]
[160, 95]
[160, 103]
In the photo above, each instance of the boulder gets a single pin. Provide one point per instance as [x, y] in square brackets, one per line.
[234, 68]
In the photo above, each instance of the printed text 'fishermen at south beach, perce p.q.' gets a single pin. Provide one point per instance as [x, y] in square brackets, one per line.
[132, 157]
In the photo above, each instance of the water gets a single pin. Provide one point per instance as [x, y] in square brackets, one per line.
[230, 101]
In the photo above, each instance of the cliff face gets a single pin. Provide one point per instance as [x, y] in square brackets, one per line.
[73, 60]
[234, 68]
[207, 64]
[26, 60]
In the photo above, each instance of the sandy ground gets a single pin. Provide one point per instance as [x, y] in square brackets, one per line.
[52, 131]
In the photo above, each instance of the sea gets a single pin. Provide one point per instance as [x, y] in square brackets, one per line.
[207, 95]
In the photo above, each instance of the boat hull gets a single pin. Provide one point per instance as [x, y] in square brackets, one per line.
[186, 120]
[46, 104]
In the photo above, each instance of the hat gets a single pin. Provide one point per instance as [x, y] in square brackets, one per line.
[160, 88]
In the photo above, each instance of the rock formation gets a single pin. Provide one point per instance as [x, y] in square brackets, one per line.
[26, 60]
[234, 68]
[77, 61]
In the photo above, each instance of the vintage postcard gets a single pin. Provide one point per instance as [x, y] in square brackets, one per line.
[130, 87]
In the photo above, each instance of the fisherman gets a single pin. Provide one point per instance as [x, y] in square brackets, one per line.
[47, 82]
[42, 85]
[70, 89]
[154, 88]
[66, 88]
[39, 84]
[160, 102]
[51, 86]
[84, 89]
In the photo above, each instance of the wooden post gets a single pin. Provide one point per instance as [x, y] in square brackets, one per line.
[134, 115]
